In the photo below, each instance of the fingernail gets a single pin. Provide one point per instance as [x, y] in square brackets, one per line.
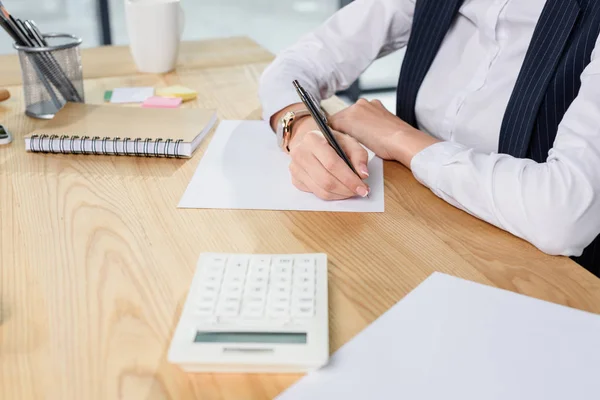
[362, 168]
[362, 191]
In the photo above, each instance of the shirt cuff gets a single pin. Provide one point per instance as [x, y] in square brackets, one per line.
[277, 98]
[426, 165]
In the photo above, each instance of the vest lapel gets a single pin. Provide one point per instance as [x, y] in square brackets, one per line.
[544, 53]
[431, 22]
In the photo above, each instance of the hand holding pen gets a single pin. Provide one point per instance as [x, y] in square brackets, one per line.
[318, 167]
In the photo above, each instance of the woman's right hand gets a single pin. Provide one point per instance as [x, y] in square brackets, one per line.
[317, 168]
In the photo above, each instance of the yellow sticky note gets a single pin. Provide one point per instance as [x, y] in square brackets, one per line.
[184, 93]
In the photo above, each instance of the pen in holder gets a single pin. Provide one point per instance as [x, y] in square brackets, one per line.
[52, 72]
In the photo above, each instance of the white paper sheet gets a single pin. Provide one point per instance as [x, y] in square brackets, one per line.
[454, 339]
[131, 95]
[243, 168]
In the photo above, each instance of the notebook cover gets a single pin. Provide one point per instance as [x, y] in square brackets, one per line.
[118, 121]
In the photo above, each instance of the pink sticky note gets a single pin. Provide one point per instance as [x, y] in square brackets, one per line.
[162, 102]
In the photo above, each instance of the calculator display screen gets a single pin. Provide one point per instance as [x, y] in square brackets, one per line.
[250, 337]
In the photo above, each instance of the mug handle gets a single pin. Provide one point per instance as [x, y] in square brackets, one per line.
[181, 20]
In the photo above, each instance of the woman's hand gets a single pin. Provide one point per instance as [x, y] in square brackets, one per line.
[388, 136]
[316, 167]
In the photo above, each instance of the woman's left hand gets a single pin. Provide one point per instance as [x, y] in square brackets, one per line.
[384, 133]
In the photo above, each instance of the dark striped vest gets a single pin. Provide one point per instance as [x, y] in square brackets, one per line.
[548, 82]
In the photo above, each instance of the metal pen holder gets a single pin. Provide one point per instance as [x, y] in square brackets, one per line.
[52, 75]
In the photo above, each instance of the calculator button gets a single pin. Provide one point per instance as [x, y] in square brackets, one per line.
[260, 261]
[208, 301]
[255, 289]
[216, 260]
[228, 297]
[253, 311]
[206, 297]
[280, 289]
[283, 260]
[255, 302]
[278, 312]
[230, 310]
[304, 301]
[236, 280]
[255, 296]
[259, 299]
[259, 270]
[237, 261]
[281, 280]
[279, 300]
[212, 268]
[205, 310]
[229, 301]
[236, 266]
[208, 288]
[304, 270]
[237, 271]
[257, 280]
[304, 279]
[282, 270]
[304, 261]
[236, 284]
[305, 290]
[303, 311]
[212, 276]
[213, 279]
[233, 289]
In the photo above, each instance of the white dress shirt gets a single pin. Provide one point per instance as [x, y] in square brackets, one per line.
[554, 205]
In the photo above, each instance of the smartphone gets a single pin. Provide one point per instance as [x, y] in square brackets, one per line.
[5, 136]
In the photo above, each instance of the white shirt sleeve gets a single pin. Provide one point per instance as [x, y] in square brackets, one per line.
[553, 205]
[335, 54]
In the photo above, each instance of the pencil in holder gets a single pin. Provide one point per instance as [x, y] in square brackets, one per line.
[52, 74]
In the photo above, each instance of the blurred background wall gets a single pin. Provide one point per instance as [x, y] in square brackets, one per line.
[274, 24]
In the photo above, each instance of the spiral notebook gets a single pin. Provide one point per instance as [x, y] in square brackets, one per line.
[115, 130]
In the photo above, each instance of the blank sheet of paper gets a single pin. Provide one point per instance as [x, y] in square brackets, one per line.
[244, 168]
[454, 339]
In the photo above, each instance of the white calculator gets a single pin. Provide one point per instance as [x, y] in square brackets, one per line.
[254, 313]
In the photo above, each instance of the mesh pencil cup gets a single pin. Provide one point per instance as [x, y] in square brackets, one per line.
[52, 75]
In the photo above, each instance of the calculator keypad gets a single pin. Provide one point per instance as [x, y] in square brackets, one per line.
[257, 288]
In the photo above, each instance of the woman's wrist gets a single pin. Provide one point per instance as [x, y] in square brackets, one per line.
[300, 128]
[407, 143]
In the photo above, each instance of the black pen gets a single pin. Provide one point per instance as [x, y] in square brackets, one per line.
[321, 120]
[9, 30]
[13, 30]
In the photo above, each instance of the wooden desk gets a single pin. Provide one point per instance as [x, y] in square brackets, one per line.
[96, 260]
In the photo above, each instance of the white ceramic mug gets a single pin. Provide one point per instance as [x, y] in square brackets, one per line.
[155, 28]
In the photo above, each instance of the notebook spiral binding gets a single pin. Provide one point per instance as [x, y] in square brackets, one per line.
[65, 144]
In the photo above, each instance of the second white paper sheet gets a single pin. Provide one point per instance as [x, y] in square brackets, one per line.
[243, 168]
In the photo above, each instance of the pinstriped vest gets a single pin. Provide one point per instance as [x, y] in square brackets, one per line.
[548, 82]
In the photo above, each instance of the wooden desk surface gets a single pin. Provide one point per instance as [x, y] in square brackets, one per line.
[96, 260]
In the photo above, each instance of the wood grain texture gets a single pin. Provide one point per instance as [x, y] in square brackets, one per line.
[96, 260]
